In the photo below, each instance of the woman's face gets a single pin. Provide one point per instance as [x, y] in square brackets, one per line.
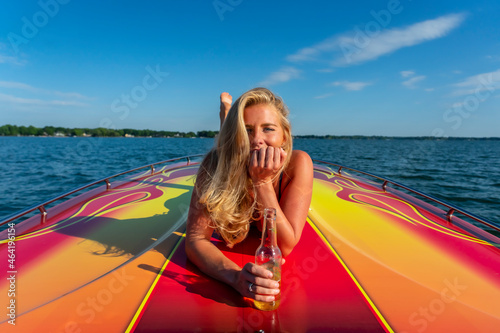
[263, 126]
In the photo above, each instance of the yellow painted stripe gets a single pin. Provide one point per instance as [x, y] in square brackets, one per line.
[365, 295]
[398, 213]
[153, 285]
[99, 212]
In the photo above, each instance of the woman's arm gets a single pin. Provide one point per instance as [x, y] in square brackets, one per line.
[291, 211]
[209, 259]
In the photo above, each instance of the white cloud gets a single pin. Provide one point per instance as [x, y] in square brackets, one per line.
[17, 85]
[37, 102]
[351, 86]
[284, 74]
[308, 53]
[27, 87]
[407, 73]
[10, 60]
[477, 84]
[325, 70]
[4, 59]
[481, 79]
[457, 105]
[324, 96]
[357, 46]
[55, 98]
[411, 82]
[494, 58]
[70, 95]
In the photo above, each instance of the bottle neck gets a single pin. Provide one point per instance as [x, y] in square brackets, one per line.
[269, 234]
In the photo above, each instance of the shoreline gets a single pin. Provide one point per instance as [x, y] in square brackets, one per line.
[83, 132]
[306, 137]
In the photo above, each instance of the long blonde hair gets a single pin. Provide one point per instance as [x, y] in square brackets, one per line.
[223, 184]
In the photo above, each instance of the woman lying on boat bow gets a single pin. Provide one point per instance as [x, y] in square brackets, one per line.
[251, 168]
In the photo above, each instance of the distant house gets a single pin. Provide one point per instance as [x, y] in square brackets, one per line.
[129, 135]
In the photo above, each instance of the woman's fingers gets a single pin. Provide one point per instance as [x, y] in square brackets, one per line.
[277, 158]
[254, 158]
[266, 156]
[264, 294]
[271, 158]
[282, 155]
[265, 163]
[253, 271]
[258, 283]
[262, 158]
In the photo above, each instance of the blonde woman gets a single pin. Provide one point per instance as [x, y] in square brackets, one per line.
[252, 167]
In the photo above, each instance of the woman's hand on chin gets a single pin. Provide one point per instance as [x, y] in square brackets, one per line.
[256, 282]
[265, 164]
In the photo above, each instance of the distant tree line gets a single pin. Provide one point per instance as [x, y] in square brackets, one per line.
[13, 130]
[379, 137]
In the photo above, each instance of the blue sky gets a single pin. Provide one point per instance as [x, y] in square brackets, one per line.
[402, 68]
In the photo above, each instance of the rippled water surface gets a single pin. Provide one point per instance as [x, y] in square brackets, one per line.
[465, 173]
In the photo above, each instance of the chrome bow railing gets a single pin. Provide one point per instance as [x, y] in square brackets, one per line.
[451, 209]
[42, 206]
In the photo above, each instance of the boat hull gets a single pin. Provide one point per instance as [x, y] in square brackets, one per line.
[369, 260]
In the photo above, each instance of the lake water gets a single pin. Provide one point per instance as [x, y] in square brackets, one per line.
[465, 173]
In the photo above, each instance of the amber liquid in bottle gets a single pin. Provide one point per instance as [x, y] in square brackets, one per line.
[268, 255]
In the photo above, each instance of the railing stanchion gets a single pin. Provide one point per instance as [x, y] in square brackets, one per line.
[449, 215]
[43, 214]
[384, 185]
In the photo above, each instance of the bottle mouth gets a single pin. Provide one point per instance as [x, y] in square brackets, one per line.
[270, 213]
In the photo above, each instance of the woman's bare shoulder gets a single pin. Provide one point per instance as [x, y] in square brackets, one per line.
[300, 158]
[300, 163]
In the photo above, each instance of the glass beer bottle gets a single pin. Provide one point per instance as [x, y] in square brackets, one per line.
[268, 255]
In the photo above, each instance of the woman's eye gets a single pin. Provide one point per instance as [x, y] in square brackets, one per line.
[268, 129]
[249, 130]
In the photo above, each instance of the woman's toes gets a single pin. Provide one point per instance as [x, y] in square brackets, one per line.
[225, 98]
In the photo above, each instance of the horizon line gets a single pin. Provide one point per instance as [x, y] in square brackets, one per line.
[217, 131]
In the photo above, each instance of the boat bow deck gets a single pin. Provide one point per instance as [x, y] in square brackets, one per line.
[368, 260]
